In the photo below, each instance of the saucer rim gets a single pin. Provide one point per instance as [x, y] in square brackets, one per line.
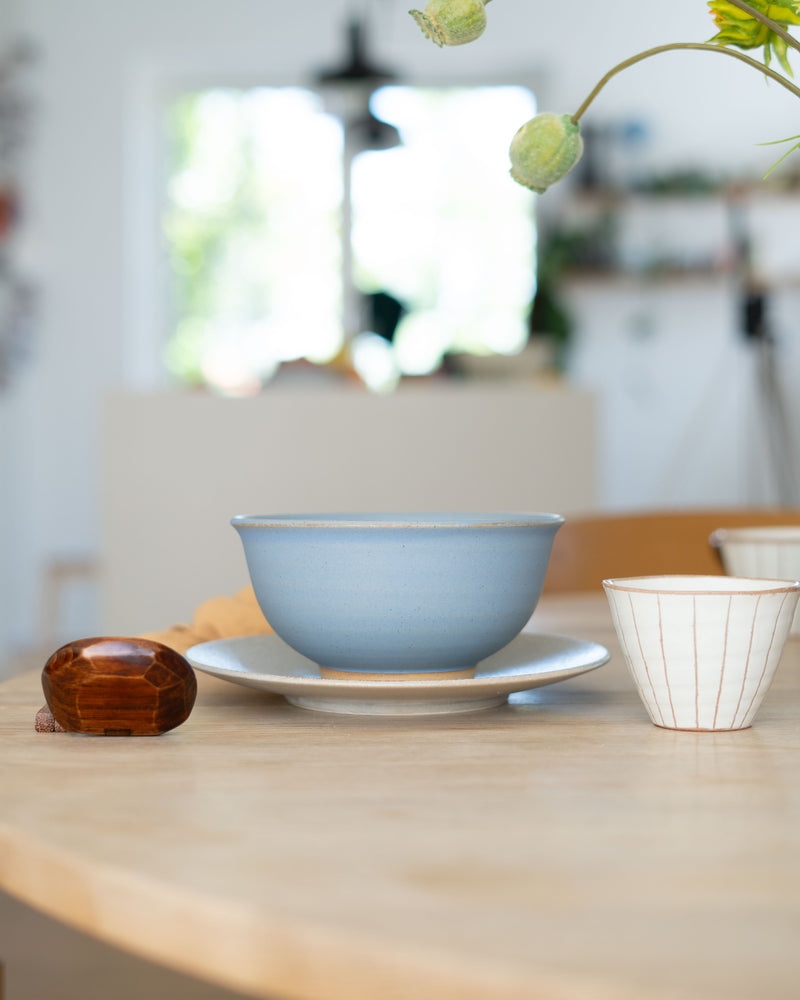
[503, 680]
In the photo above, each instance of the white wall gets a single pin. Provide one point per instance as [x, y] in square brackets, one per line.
[102, 66]
[8, 454]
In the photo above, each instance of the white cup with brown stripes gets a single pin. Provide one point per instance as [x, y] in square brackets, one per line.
[765, 550]
[702, 650]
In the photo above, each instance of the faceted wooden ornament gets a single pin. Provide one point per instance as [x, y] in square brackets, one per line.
[110, 686]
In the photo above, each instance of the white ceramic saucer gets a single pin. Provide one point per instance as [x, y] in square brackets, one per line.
[266, 663]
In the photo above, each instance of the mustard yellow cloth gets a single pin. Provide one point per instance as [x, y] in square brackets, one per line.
[217, 618]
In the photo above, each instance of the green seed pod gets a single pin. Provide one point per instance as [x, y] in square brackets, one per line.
[452, 22]
[544, 150]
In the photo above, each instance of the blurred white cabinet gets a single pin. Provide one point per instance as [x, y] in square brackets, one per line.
[690, 412]
[178, 466]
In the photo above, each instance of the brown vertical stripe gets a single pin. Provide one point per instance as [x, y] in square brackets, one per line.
[747, 662]
[724, 658]
[664, 661]
[766, 658]
[644, 661]
[620, 631]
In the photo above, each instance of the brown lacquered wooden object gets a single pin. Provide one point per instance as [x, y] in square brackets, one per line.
[110, 686]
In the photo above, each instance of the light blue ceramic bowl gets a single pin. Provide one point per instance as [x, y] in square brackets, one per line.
[398, 594]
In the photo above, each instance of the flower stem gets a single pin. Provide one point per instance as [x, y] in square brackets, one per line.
[703, 46]
[772, 25]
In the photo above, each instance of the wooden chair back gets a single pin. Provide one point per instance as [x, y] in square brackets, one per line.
[588, 550]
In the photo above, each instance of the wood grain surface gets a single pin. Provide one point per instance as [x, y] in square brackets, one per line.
[557, 848]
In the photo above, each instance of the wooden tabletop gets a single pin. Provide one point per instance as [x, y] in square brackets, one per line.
[558, 848]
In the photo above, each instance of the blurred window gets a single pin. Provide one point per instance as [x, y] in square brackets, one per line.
[442, 241]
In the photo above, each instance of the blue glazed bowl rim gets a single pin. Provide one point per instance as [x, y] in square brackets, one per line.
[397, 520]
